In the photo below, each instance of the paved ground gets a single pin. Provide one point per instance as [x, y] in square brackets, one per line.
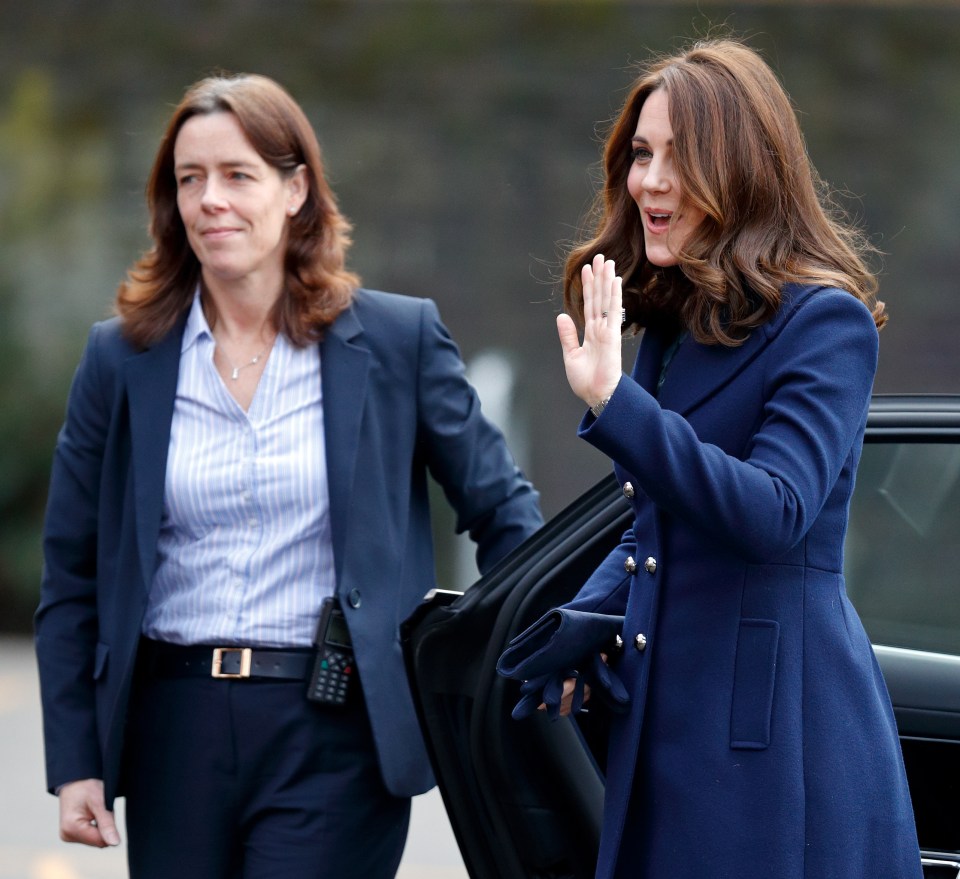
[30, 847]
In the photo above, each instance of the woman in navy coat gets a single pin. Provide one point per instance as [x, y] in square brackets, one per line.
[759, 740]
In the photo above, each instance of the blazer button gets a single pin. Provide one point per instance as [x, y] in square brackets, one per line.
[630, 565]
[354, 598]
[650, 565]
[628, 491]
[640, 642]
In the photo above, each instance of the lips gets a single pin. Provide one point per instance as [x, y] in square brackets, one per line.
[218, 232]
[658, 221]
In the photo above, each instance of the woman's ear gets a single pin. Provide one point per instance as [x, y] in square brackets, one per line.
[297, 189]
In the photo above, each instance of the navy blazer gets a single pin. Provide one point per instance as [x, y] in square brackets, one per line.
[760, 740]
[396, 406]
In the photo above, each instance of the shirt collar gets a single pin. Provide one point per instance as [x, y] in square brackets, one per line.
[196, 326]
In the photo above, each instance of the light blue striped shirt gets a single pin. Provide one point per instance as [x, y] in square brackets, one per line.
[245, 555]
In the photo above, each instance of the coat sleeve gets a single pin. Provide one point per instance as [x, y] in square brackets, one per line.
[608, 587]
[66, 620]
[466, 453]
[818, 376]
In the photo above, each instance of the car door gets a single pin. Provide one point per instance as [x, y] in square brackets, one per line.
[525, 797]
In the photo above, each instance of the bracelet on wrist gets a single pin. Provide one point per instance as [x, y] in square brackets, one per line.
[599, 406]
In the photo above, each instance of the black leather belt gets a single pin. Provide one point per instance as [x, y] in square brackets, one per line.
[165, 660]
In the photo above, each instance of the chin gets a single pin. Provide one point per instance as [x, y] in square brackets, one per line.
[659, 254]
[662, 260]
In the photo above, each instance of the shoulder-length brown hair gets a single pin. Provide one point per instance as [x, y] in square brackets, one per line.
[741, 159]
[159, 287]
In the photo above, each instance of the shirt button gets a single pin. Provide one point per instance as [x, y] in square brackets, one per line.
[630, 565]
[628, 491]
[640, 642]
[650, 565]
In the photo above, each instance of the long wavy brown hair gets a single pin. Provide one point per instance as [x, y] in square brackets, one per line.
[160, 286]
[741, 159]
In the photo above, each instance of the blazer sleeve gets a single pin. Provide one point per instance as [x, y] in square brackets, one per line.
[65, 624]
[466, 453]
[816, 391]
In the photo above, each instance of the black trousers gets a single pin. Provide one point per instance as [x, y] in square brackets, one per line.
[248, 780]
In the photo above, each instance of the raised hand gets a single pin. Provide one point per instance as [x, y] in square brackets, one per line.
[594, 367]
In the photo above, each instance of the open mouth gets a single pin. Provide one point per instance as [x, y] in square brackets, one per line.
[659, 221]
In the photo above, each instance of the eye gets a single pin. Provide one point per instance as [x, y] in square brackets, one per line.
[186, 180]
[239, 175]
[640, 154]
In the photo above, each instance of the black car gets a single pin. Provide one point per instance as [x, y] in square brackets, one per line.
[525, 798]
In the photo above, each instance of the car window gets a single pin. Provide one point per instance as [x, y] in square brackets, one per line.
[903, 545]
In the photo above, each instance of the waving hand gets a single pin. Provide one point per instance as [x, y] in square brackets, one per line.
[594, 367]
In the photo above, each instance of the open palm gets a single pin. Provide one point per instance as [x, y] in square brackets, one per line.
[593, 367]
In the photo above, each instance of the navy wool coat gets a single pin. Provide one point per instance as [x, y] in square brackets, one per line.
[397, 406]
[760, 741]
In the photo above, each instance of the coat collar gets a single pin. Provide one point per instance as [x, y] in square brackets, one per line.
[698, 372]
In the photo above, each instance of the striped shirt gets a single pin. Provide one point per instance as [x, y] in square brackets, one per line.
[245, 554]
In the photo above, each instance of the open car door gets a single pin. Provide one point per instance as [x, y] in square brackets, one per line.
[525, 797]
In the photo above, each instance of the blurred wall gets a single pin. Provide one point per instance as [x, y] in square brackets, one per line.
[463, 141]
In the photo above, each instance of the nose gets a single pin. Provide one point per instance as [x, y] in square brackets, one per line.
[657, 178]
[213, 198]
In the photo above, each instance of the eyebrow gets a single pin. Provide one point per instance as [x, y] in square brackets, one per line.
[234, 163]
[638, 139]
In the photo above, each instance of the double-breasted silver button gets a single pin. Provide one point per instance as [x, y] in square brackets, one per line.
[630, 565]
[650, 565]
[640, 642]
[628, 491]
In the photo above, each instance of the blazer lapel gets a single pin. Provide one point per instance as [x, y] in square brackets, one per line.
[344, 366]
[151, 383]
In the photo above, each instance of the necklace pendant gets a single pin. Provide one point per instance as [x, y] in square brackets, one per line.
[236, 373]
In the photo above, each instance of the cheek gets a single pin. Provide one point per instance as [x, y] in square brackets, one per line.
[183, 208]
[692, 219]
[635, 182]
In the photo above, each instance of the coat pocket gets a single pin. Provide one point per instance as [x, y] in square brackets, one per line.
[753, 682]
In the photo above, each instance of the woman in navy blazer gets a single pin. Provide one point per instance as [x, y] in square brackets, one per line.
[242, 774]
[759, 740]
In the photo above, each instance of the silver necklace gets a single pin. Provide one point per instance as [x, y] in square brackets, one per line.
[235, 370]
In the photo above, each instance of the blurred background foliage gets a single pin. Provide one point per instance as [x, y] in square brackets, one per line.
[463, 140]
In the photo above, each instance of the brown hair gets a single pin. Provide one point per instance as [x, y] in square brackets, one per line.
[161, 284]
[741, 159]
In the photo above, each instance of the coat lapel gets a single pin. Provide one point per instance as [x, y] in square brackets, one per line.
[698, 372]
[151, 382]
[344, 366]
[647, 368]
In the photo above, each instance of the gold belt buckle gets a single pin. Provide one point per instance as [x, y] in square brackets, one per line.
[246, 658]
